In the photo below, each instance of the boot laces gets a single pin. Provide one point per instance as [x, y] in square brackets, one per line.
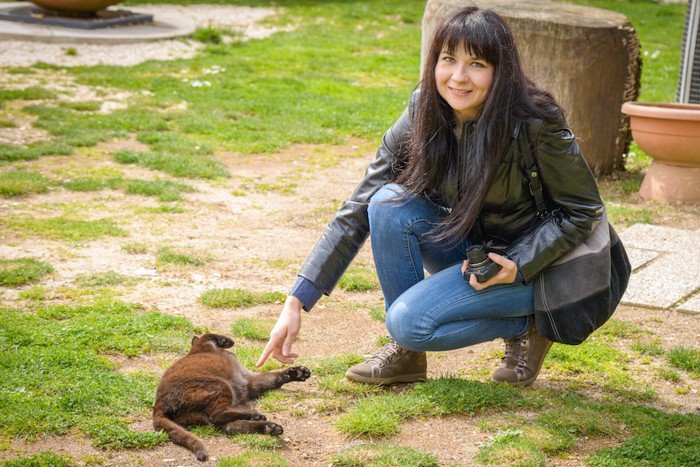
[386, 354]
[516, 353]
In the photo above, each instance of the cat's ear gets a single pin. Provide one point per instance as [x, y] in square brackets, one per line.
[195, 339]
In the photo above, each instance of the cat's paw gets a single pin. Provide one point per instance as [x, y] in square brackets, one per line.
[274, 429]
[299, 373]
[257, 416]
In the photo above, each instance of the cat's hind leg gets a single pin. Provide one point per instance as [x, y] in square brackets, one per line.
[253, 426]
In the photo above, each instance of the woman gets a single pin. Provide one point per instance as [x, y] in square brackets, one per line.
[447, 176]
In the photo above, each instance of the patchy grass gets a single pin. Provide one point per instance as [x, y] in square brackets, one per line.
[14, 272]
[358, 279]
[238, 298]
[70, 343]
[19, 183]
[63, 228]
[381, 455]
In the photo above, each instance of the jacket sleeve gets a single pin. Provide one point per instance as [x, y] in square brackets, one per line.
[349, 229]
[572, 196]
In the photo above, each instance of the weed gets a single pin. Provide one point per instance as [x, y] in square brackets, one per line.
[258, 442]
[84, 184]
[166, 255]
[19, 271]
[254, 458]
[685, 358]
[382, 455]
[252, 328]
[135, 248]
[358, 280]
[105, 279]
[62, 228]
[19, 183]
[34, 293]
[237, 298]
[43, 459]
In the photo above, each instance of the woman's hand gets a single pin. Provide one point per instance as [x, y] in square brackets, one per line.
[506, 275]
[284, 333]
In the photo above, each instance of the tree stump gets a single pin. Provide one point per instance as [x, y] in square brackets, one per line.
[587, 58]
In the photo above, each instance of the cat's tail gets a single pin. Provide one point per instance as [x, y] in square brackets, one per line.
[179, 435]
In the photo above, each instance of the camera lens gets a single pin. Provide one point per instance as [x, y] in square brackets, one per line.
[476, 255]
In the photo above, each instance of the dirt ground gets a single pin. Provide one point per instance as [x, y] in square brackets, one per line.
[257, 242]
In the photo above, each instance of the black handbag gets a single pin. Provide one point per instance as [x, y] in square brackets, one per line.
[579, 292]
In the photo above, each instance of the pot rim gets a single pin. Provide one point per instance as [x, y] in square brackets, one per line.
[662, 110]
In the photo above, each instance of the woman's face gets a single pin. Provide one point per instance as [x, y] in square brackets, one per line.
[464, 82]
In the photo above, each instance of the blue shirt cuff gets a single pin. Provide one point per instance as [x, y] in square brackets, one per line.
[307, 292]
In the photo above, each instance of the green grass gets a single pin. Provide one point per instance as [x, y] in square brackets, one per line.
[238, 298]
[43, 459]
[167, 255]
[19, 183]
[380, 455]
[14, 272]
[252, 328]
[63, 228]
[358, 279]
[57, 375]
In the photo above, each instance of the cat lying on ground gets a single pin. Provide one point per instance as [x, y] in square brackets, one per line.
[210, 387]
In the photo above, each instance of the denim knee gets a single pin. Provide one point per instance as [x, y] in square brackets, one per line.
[404, 328]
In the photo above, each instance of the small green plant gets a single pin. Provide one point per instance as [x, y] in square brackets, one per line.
[382, 455]
[258, 442]
[208, 35]
[167, 255]
[237, 298]
[63, 228]
[34, 293]
[19, 271]
[254, 459]
[43, 459]
[134, 248]
[18, 183]
[84, 184]
[164, 190]
[112, 433]
[104, 279]
[70, 51]
[685, 358]
[358, 280]
[252, 328]
[669, 375]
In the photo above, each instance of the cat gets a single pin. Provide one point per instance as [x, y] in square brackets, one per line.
[210, 386]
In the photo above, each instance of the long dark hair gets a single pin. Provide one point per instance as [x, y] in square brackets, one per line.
[433, 151]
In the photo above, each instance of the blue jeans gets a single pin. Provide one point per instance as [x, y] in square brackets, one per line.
[441, 312]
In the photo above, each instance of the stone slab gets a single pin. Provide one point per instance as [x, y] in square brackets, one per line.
[665, 281]
[659, 238]
[692, 305]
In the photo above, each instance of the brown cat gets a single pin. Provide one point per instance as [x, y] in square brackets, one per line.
[209, 386]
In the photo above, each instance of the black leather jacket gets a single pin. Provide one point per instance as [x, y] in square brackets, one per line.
[508, 218]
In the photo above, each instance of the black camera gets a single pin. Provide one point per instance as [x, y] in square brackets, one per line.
[480, 264]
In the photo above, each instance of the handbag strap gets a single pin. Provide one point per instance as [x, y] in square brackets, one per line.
[531, 170]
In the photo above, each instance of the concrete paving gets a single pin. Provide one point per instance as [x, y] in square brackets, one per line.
[165, 25]
[665, 267]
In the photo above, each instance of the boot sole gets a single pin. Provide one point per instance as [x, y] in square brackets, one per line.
[386, 381]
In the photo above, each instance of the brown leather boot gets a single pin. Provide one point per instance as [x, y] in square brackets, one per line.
[523, 358]
[390, 364]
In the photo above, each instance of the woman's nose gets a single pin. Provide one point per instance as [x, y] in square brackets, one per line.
[460, 74]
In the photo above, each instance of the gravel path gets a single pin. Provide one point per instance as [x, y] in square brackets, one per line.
[243, 20]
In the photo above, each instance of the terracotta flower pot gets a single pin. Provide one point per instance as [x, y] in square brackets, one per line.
[75, 5]
[670, 134]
